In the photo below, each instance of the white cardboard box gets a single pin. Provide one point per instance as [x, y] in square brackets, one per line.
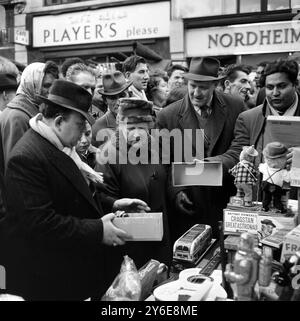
[291, 244]
[198, 173]
[141, 226]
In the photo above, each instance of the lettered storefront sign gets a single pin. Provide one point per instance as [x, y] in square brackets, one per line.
[282, 36]
[142, 21]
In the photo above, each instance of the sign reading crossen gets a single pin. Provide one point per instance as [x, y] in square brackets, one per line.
[283, 36]
[142, 21]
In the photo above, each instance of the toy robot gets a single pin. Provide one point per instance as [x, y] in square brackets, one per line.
[243, 273]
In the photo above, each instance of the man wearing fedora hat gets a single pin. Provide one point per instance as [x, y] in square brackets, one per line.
[115, 87]
[54, 228]
[205, 108]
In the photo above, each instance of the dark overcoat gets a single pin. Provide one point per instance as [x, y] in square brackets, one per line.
[208, 202]
[250, 128]
[146, 182]
[53, 227]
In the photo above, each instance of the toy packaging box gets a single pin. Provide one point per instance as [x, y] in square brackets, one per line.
[270, 228]
[291, 244]
[141, 226]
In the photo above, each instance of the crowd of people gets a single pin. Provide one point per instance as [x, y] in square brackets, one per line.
[64, 134]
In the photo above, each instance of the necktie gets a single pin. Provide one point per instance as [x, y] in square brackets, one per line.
[204, 112]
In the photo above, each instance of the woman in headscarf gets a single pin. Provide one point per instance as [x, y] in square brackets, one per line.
[141, 176]
[36, 79]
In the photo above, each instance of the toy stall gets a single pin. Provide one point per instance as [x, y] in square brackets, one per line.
[257, 254]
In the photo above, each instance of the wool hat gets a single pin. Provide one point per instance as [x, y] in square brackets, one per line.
[250, 150]
[8, 81]
[275, 150]
[136, 110]
[114, 83]
[71, 96]
[204, 69]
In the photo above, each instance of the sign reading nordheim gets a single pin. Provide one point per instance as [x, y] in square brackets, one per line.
[282, 36]
[143, 21]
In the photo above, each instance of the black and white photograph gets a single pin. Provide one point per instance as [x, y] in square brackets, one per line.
[149, 153]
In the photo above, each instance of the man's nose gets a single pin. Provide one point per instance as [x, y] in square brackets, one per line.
[248, 85]
[83, 139]
[275, 91]
[198, 92]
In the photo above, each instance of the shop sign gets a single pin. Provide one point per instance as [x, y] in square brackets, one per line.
[144, 21]
[282, 36]
[21, 36]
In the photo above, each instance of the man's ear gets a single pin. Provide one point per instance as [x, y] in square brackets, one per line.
[227, 83]
[127, 75]
[57, 121]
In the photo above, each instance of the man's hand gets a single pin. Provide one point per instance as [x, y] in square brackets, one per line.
[131, 205]
[184, 204]
[111, 234]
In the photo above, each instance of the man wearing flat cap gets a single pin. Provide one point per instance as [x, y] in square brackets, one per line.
[203, 108]
[55, 230]
[115, 87]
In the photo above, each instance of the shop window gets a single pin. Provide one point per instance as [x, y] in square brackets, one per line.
[3, 30]
[295, 4]
[229, 7]
[250, 6]
[56, 2]
[278, 4]
[2, 17]
[204, 8]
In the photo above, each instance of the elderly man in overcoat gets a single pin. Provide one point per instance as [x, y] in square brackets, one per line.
[205, 108]
[55, 231]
